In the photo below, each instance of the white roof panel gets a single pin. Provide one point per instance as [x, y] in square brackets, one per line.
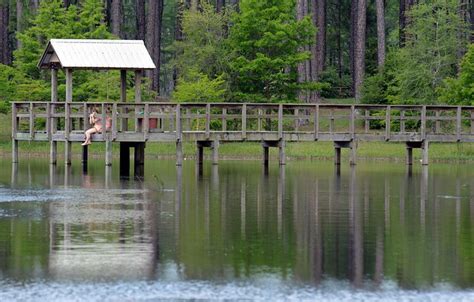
[98, 54]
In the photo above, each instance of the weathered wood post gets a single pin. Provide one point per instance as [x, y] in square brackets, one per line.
[139, 160]
[85, 149]
[14, 131]
[124, 159]
[123, 98]
[266, 154]
[281, 152]
[138, 98]
[353, 153]
[53, 145]
[337, 155]
[215, 152]
[199, 153]
[68, 144]
[409, 156]
[179, 145]
[424, 152]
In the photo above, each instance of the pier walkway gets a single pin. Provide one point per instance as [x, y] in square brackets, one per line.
[208, 124]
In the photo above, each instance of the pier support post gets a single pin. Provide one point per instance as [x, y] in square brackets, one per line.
[199, 153]
[351, 145]
[139, 160]
[424, 153]
[281, 152]
[353, 153]
[53, 151]
[124, 160]
[179, 153]
[215, 152]
[409, 156]
[423, 145]
[67, 153]
[14, 151]
[266, 155]
[85, 155]
[108, 152]
[337, 156]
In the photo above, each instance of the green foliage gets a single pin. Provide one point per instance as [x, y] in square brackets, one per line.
[202, 47]
[197, 87]
[434, 37]
[336, 87]
[265, 40]
[54, 21]
[460, 90]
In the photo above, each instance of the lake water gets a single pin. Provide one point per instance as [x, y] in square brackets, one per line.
[303, 232]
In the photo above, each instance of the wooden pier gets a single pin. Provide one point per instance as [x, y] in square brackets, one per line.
[209, 124]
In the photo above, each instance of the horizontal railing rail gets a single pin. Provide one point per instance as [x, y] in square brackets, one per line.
[243, 121]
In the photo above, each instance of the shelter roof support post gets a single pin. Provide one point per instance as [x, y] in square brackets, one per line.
[53, 145]
[138, 97]
[68, 144]
[123, 98]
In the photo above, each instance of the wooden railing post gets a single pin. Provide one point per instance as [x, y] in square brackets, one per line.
[208, 120]
[48, 121]
[423, 122]
[32, 121]
[178, 123]
[352, 121]
[146, 122]
[67, 120]
[280, 121]
[224, 119]
[316, 122]
[367, 121]
[402, 121]
[114, 121]
[388, 123]
[458, 123]
[14, 120]
[244, 121]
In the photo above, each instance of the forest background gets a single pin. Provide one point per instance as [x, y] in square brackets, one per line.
[387, 52]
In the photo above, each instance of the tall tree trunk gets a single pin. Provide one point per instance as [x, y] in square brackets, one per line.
[141, 20]
[359, 49]
[116, 17]
[182, 5]
[19, 20]
[380, 7]
[403, 19]
[5, 50]
[301, 11]
[339, 38]
[153, 37]
[220, 5]
[352, 42]
[318, 50]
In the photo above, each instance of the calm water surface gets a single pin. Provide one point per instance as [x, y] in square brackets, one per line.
[304, 232]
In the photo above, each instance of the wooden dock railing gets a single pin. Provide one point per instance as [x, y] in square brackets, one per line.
[45, 121]
[271, 123]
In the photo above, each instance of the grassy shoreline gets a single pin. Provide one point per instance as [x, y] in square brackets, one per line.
[367, 151]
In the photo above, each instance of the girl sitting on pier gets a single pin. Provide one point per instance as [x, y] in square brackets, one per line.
[96, 121]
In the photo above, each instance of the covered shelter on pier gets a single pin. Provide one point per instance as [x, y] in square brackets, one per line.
[84, 54]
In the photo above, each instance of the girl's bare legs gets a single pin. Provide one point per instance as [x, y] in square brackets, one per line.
[89, 133]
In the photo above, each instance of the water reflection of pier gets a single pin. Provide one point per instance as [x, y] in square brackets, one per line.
[352, 224]
[355, 225]
[96, 231]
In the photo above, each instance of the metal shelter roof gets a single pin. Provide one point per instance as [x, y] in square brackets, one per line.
[97, 54]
